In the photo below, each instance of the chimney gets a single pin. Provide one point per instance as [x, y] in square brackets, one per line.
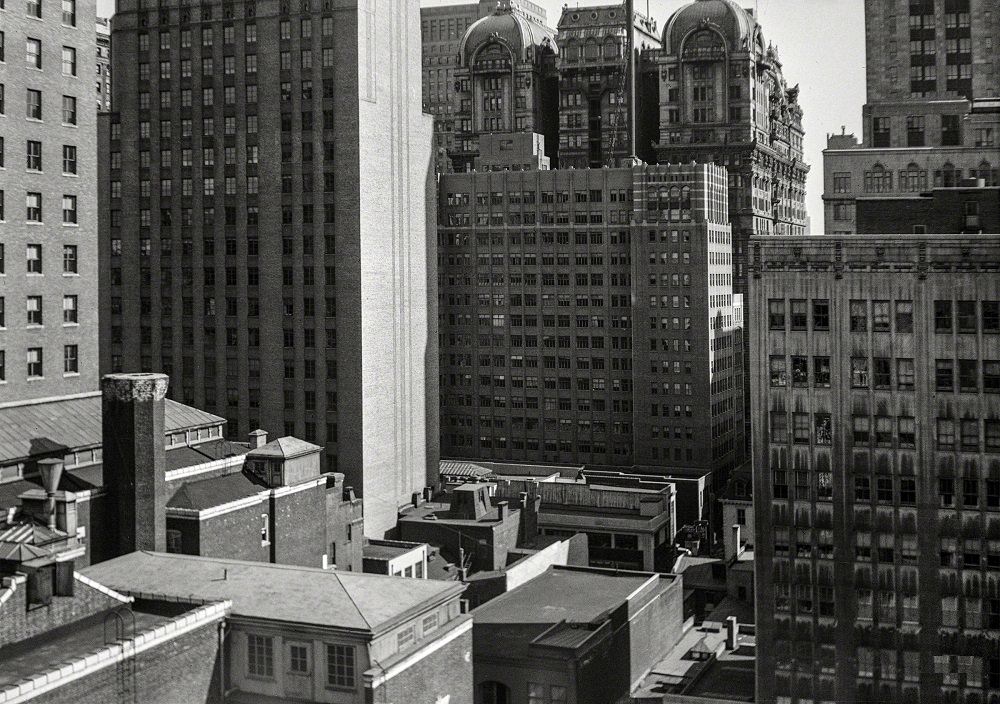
[502, 510]
[258, 438]
[51, 470]
[736, 537]
[732, 631]
[134, 461]
[415, 499]
[349, 493]
[428, 493]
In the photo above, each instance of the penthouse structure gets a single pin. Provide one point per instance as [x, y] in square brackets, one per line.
[48, 201]
[335, 314]
[588, 317]
[932, 117]
[876, 378]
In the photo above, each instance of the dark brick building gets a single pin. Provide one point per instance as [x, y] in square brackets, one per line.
[968, 209]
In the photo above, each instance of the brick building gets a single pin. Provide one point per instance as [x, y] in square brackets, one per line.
[970, 208]
[876, 379]
[198, 283]
[197, 494]
[48, 201]
[65, 637]
[317, 635]
[932, 115]
[574, 635]
[588, 317]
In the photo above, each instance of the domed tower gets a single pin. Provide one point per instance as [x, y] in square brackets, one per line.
[723, 99]
[504, 62]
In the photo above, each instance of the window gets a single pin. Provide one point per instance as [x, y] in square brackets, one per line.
[340, 666]
[904, 374]
[967, 318]
[69, 210]
[776, 314]
[265, 530]
[880, 316]
[69, 12]
[71, 359]
[34, 155]
[69, 110]
[944, 375]
[70, 262]
[34, 357]
[68, 61]
[34, 310]
[34, 258]
[991, 316]
[859, 316]
[33, 205]
[842, 182]
[821, 371]
[778, 369]
[33, 104]
[298, 658]
[821, 314]
[260, 656]
[904, 316]
[33, 52]
[859, 372]
[945, 434]
[69, 159]
[33, 8]
[71, 313]
[800, 315]
[943, 316]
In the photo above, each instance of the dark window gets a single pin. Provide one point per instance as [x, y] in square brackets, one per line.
[821, 314]
[967, 316]
[800, 315]
[882, 372]
[776, 314]
[944, 375]
[821, 371]
[943, 316]
[859, 316]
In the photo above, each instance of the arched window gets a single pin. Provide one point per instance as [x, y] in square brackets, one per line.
[947, 176]
[591, 51]
[612, 49]
[675, 203]
[913, 178]
[686, 203]
[878, 180]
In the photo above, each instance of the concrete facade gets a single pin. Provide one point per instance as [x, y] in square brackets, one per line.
[876, 379]
[341, 305]
[48, 202]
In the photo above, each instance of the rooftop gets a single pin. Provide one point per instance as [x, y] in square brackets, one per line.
[575, 595]
[66, 423]
[388, 549]
[286, 448]
[215, 491]
[302, 595]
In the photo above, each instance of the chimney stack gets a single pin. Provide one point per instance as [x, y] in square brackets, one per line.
[732, 631]
[502, 510]
[134, 461]
[415, 499]
[737, 537]
[258, 438]
[428, 493]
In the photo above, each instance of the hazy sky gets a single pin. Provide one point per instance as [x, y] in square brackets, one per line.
[821, 45]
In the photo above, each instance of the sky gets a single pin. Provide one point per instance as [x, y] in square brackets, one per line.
[821, 44]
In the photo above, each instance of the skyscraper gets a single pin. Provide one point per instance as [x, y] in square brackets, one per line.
[876, 399]
[932, 118]
[266, 240]
[48, 201]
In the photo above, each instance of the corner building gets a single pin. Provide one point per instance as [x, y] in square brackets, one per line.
[48, 200]
[266, 240]
[876, 379]
[589, 318]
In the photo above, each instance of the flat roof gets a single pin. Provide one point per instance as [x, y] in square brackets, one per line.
[71, 422]
[304, 595]
[388, 549]
[575, 595]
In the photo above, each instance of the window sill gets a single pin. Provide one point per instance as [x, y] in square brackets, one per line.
[68, 375]
[71, 325]
[35, 378]
[69, 175]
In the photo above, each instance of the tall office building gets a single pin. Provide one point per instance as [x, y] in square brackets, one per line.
[442, 29]
[48, 201]
[267, 185]
[876, 379]
[103, 81]
[587, 317]
[724, 99]
[932, 118]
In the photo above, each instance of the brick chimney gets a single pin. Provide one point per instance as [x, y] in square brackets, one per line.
[134, 461]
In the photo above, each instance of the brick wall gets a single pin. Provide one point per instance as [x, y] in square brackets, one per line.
[180, 670]
[234, 535]
[447, 672]
[18, 623]
[298, 536]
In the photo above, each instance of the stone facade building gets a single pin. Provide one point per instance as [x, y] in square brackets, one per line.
[266, 239]
[932, 117]
[48, 201]
[876, 379]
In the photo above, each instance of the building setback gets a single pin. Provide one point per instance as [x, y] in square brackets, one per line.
[876, 379]
[589, 317]
[48, 201]
[103, 81]
[290, 243]
[932, 116]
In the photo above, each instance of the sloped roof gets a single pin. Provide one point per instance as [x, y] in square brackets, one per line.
[21, 552]
[285, 448]
[514, 29]
[258, 590]
[464, 469]
[212, 492]
[735, 23]
[74, 422]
